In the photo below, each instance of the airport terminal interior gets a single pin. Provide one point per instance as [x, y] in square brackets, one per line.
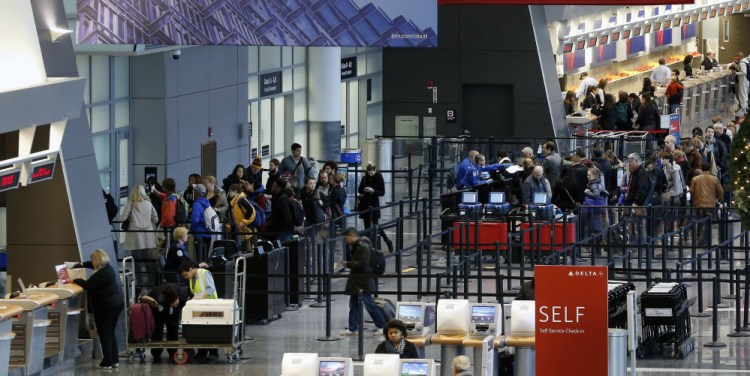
[286, 187]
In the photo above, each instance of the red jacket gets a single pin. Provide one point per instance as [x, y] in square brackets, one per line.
[673, 88]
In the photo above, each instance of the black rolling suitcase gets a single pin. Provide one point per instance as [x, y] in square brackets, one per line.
[265, 297]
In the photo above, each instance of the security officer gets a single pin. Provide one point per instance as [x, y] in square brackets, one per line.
[478, 172]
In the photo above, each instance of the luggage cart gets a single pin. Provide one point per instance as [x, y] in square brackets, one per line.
[232, 348]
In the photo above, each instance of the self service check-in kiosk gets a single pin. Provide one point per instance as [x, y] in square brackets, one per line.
[485, 325]
[382, 365]
[7, 314]
[452, 329]
[522, 336]
[299, 364]
[30, 328]
[65, 318]
[417, 316]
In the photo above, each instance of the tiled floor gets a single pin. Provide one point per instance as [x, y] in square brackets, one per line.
[298, 331]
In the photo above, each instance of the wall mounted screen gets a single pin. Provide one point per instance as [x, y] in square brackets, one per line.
[346, 23]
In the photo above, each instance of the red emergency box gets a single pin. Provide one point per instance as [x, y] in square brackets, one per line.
[565, 233]
[489, 234]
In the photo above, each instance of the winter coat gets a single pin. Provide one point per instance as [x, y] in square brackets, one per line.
[706, 190]
[103, 289]
[371, 200]
[675, 184]
[638, 188]
[359, 267]
[142, 216]
[197, 222]
[219, 202]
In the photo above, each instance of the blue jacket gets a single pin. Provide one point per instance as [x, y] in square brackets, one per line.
[463, 167]
[197, 223]
[474, 172]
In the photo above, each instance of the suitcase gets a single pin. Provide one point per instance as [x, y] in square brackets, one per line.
[296, 269]
[542, 212]
[495, 211]
[470, 211]
[141, 323]
[386, 307]
[262, 306]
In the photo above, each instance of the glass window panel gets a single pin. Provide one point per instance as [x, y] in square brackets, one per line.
[299, 55]
[278, 126]
[270, 58]
[300, 78]
[346, 51]
[254, 140]
[343, 143]
[252, 59]
[100, 118]
[124, 160]
[252, 87]
[300, 106]
[353, 122]
[343, 103]
[374, 61]
[82, 61]
[101, 150]
[265, 123]
[353, 141]
[377, 88]
[286, 80]
[374, 120]
[122, 77]
[286, 56]
[122, 114]
[104, 178]
[99, 78]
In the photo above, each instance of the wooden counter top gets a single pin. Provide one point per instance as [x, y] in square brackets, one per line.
[8, 311]
[32, 301]
[448, 339]
[520, 341]
[62, 292]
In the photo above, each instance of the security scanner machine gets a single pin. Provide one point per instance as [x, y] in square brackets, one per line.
[300, 364]
[417, 316]
[381, 365]
[210, 321]
[329, 366]
[497, 207]
[522, 336]
[452, 329]
[7, 314]
[30, 328]
[417, 367]
[470, 207]
[65, 318]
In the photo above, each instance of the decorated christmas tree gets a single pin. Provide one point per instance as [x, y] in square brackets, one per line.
[739, 160]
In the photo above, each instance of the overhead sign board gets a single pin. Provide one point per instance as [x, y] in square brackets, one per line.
[571, 320]
[41, 171]
[10, 179]
[345, 23]
[348, 67]
[270, 84]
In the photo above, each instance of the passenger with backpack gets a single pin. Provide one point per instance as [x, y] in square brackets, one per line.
[174, 209]
[242, 215]
[107, 302]
[166, 303]
[360, 278]
[201, 227]
[609, 115]
[624, 112]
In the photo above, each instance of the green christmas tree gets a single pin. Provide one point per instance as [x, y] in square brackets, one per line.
[739, 160]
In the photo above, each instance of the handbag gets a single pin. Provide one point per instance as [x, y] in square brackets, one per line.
[125, 225]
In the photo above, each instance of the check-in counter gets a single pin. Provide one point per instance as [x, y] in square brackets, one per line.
[7, 314]
[30, 328]
[420, 343]
[451, 346]
[65, 318]
[524, 363]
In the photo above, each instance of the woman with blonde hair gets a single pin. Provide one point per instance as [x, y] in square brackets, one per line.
[107, 302]
[139, 219]
[216, 196]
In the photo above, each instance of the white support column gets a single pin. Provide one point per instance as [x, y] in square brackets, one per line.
[324, 103]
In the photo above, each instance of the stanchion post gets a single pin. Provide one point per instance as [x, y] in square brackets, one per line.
[738, 332]
[715, 320]
[319, 275]
[329, 275]
[360, 333]
[700, 312]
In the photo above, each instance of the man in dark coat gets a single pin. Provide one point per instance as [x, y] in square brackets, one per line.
[639, 184]
[280, 225]
[360, 279]
[605, 166]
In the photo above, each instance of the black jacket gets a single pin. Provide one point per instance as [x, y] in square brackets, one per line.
[338, 199]
[638, 187]
[608, 118]
[232, 179]
[410, 351]
[688, 70]
[605, 167]
[176, 255]
[359, 267]
[103, 288]
[648, 117]
[590, 101]
[627, 125]
[280, 221]
[158, 294]
[707, 63]
[371, 200]
[271, 178]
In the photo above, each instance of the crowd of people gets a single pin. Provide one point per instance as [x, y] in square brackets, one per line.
[691, 172]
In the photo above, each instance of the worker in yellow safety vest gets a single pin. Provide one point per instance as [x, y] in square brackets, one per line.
[201, 281]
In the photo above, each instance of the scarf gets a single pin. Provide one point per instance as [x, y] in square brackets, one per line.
[395, 350]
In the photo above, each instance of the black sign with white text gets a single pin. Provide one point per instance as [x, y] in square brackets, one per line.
[270, 84]
[348, 67]
[450, 116]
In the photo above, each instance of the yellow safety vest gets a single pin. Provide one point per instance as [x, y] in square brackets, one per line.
[198, 284]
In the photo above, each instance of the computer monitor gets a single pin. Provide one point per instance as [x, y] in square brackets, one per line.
[382, 365]
[523, 318]
[540, 198]
[497, 197]
[299, 364]
[335, 367]
[453, 316]
[417, 367]
[414, 315]
[486, 320]
[469, 198]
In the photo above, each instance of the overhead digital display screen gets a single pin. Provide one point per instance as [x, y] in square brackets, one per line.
[677, 22]
[657, 26]
[713, 13]
[9, 180]
[647, 29]
[604, 39]
[667, 24]
[567, 47]
[637, 31]
[581, 44]
[704, 15]
[626, 34]
[722, 11]
[42, 172]
[615, 36]
[592, 42]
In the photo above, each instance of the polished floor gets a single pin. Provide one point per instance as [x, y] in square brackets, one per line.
[300, 331]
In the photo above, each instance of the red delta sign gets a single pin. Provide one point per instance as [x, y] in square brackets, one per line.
[565, 2]
[571, 320]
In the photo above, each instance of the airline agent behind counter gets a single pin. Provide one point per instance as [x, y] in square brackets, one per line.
[202, 286]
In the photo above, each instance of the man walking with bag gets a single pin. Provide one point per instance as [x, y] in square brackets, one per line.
[360, 279]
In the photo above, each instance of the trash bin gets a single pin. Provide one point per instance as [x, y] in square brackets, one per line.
[618, 352]
[7, 313]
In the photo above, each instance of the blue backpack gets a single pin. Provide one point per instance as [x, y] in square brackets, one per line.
[260, 215]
